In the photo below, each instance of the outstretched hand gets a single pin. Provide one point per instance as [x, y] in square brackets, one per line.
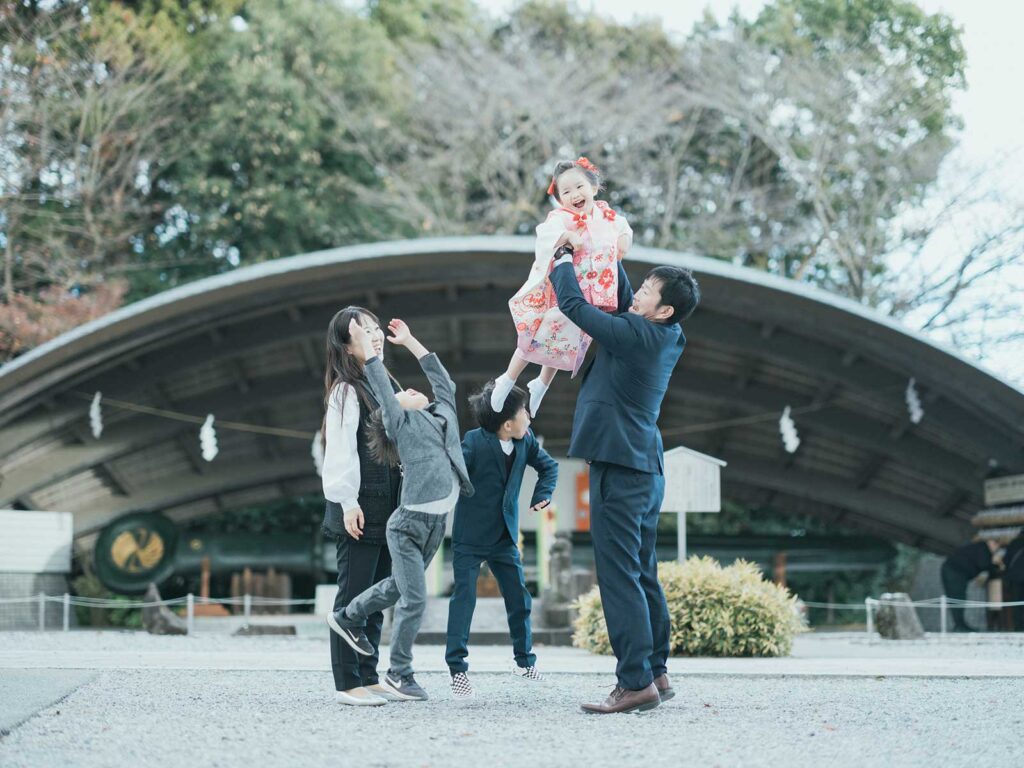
[400, 333]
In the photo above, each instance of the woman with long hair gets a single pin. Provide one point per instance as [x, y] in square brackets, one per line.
[361, 494]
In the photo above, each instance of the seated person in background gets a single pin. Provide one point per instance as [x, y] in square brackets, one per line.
[1013, 563]
[964, 564]
[1013, 560]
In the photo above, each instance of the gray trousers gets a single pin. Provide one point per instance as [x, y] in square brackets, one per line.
[413, 540]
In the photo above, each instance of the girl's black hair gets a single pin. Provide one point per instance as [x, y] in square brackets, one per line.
[592, 174]
[382, 448]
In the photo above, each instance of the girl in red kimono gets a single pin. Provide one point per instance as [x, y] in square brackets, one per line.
[600, 237]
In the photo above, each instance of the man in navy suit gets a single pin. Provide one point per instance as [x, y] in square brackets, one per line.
[615, 429]
[486, 528]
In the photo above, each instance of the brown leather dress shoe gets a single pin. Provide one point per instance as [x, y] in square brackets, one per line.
[665, 691]
[625, 700]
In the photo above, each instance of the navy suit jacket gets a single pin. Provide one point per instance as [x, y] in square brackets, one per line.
[620, 396]
[481, 520]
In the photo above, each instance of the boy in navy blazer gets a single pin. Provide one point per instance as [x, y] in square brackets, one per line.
[486, 528]
[615, 429]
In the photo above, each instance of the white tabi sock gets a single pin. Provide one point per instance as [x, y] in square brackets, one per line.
[502, 386]
[537, 391]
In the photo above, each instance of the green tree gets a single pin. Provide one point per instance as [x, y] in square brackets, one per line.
[85, 99]
[267, 173]
[481, 118]
[790, 143]
[423, 21]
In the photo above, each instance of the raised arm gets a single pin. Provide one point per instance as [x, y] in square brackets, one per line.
[440, 382]
[625, 290]
[615, 333]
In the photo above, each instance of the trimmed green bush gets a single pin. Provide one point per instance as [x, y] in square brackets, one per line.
[715, 611]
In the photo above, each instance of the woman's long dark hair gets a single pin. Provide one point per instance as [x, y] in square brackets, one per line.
[382, 448]
[343, 367]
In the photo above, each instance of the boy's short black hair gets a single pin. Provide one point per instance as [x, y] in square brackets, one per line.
[679, 290]
[480, 404]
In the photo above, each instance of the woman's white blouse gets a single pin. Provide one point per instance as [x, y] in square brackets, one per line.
[341, 457]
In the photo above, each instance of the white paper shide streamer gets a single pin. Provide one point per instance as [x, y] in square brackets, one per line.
[96, 416]
[914, 403]
[208, 439]
[318, 452]
[790, 438]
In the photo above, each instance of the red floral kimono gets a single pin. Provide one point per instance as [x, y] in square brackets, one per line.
[546, 336]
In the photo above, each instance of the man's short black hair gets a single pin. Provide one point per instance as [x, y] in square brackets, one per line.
[480, 404]
[679, 290]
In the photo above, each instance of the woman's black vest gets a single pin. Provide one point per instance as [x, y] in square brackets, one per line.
[379, 491]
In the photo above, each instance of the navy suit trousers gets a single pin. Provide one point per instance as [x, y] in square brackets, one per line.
[504, 562]
[624, 508]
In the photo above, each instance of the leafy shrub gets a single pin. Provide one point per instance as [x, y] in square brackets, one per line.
[89, 585]
[714, 611]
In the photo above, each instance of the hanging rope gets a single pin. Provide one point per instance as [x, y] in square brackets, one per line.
[238, 426]
[709, 426]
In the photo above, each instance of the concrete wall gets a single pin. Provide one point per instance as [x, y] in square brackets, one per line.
[35, 541]
[25, 615]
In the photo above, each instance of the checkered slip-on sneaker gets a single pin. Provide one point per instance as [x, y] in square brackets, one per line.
[461, 688]
[528, 673]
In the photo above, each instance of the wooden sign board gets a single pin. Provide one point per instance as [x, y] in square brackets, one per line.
[1004, 490]
[692, 482]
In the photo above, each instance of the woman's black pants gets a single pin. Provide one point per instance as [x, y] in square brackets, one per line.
[360, 566]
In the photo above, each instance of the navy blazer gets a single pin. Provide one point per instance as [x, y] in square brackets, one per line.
[481, 520]
[620, 396]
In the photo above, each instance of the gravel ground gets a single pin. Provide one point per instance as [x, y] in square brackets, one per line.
[218, 718]
[24, 693]
[217, 700]
[986, 645]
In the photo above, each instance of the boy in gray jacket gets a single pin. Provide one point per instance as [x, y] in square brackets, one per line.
[424, 436]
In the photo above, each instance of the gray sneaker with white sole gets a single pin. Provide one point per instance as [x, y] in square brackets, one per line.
[404, 688]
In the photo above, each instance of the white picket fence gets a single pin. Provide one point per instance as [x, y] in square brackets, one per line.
[248, 602]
